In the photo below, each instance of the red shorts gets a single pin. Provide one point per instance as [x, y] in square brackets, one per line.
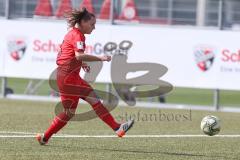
[72, 87]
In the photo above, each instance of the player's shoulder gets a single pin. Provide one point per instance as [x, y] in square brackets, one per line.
[71, 31]
[71, 34]
[75, 32]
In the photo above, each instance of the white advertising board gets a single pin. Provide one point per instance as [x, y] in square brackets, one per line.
[1, 56]
[194, 57]
[30, 48]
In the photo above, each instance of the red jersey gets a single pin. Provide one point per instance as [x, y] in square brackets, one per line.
[73, 41]
[70, 85]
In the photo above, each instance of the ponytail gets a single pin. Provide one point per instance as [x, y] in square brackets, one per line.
[76, 16]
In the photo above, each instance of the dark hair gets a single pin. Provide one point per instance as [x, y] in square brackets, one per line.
[76, 16]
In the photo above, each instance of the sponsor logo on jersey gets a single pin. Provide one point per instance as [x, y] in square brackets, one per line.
[80, 45]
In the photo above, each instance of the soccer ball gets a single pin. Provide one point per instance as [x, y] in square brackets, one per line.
[210, 125]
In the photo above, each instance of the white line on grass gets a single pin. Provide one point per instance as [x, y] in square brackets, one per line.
[11, 134]
[126, 136]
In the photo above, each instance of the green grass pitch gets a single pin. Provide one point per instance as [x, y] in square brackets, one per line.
[32, 117]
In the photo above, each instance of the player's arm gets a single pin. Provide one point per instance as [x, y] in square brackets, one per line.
[89, 58]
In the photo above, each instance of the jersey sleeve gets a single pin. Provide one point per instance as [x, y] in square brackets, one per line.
[79, 43]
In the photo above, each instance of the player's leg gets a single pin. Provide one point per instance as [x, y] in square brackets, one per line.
[104, 114]
[69, 104]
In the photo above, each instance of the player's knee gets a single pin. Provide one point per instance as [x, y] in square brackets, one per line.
[92, 98]
[70, 112]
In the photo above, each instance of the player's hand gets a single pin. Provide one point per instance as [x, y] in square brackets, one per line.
[106, 58]
[86, 67]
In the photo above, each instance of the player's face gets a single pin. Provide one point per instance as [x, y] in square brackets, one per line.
[88, 26]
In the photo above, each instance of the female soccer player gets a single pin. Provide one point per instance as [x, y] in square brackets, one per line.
[70, 60]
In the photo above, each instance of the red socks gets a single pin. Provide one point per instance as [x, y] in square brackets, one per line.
[104, 114]
[59, 122]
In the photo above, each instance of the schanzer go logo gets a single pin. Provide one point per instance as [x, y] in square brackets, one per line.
[204, 57]
[17, 48]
